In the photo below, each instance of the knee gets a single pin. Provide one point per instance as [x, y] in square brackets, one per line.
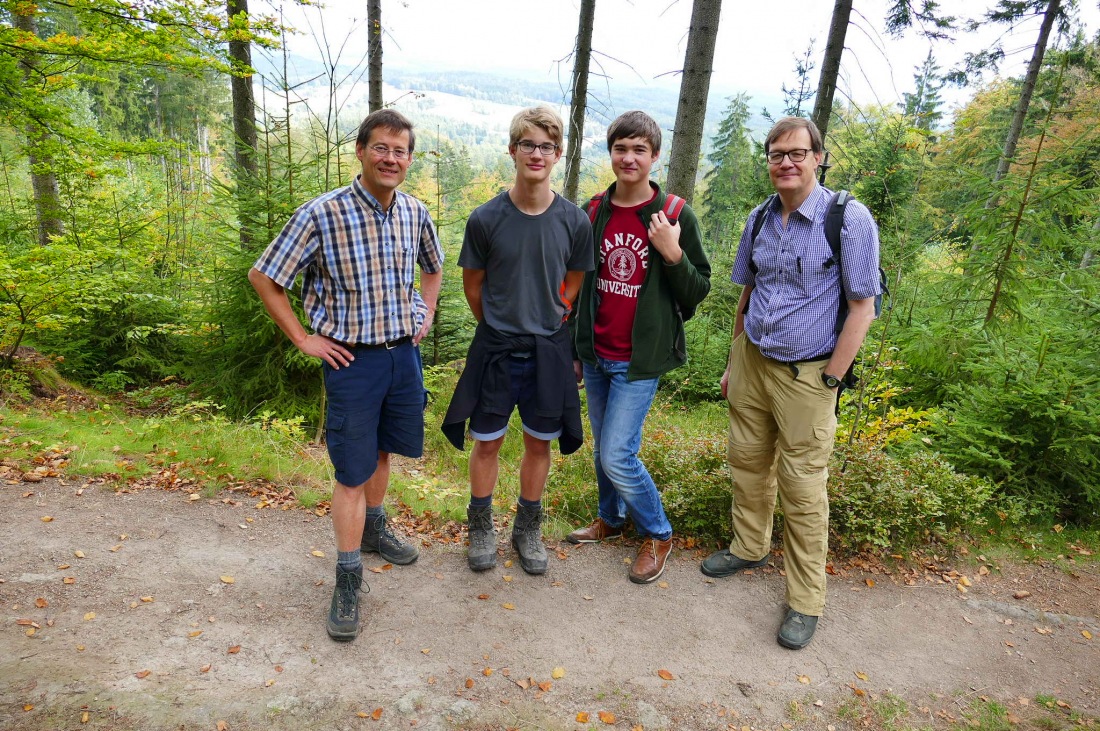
[487, 450]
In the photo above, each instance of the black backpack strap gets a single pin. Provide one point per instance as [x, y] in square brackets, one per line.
[757, 224]
[834, 224]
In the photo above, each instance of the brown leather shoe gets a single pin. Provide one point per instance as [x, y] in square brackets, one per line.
[651, 560]
[595, 532]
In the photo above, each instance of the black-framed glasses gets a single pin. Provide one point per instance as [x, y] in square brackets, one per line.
[383, 152]
[527, 147]
[776, 158]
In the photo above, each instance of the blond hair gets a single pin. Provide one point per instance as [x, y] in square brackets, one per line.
[542, 117]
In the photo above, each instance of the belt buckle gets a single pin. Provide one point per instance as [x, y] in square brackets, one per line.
[390, 344]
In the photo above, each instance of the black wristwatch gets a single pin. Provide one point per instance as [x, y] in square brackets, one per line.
[830, 381]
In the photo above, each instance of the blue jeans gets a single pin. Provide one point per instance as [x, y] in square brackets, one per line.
[617, 409]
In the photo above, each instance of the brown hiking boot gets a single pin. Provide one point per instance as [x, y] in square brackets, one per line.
[651, 560]
[595, 532]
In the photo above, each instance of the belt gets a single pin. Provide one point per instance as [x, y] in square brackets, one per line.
[388, 345]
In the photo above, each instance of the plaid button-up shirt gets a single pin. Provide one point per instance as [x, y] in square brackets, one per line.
[795, 297]
[358, 263]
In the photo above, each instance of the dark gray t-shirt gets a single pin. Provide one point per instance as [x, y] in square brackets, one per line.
[525, 259]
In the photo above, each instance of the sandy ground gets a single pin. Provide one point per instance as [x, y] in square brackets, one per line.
[144, 632]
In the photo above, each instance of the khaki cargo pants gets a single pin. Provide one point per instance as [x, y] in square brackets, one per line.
[781, 434]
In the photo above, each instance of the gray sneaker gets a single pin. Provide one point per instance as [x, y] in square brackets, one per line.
[527, 539]
[343, 613]
[482, 554]
[797, 630]
[379, 538]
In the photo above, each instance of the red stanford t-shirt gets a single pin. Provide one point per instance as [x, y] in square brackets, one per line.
[624, 257]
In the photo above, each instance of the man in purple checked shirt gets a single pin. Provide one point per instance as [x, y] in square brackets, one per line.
[787, 362]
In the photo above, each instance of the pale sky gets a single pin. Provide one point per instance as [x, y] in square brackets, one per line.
[642, 42]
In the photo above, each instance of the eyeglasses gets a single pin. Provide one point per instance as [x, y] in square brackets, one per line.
[527, 147]
[776, 158]
[383, 152]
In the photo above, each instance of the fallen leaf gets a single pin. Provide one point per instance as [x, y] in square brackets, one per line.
[507, 577]
[804, 679]
[964, 581]
[607, 717]
[508, 564]
[89, 616]
[80, 648]
[487, 672]
[525, 684]
[662, 584]
[269, 683]
[363, 714]
[142, 674]
[133, 605]
[508, 605]
[193, 497]
[558, 673]
[147, 599]
[483, 596]
[278, 668]
[222, 726]
[582, 717]
[115, 549]
[196, 633]
[1063, 704]
[1022, 594]
[819, 703]
[318, 554]
[376, 714]
[861, 675]
[41, 603]
[205, 668]
[28, 707]
[31, 631]
[1044, 630]
[47, 519]
[63, 566]
[545, 686]
[78, 554]
[68, 580]
[869, 582]
[233, 650]
[1086, 634]
[469, 682]
[983, 571]
[562, 555]
[427, 650]
[588, 598]
[28, 623]
[666, 675]
[227, 579]
[84, 717]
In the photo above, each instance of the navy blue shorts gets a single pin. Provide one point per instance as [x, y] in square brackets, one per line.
[487, 427]
[374, 404]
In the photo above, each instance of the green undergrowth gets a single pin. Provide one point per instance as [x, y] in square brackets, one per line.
[889, 712]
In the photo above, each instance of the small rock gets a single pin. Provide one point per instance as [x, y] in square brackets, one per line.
[462, 712]
[745, 688]
[411, 702]
[649, 718]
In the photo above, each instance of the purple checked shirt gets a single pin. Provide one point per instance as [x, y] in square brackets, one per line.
[359, 263]
[793, 307]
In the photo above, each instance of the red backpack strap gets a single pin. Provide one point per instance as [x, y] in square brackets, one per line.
[593, 205]
[674, 204]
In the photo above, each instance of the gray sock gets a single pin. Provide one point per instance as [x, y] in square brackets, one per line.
[349, 561]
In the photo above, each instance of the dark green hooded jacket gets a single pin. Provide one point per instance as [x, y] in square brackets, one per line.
[669, 295]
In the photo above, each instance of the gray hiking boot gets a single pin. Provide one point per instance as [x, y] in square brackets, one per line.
[527, 539]
[482, 554]
[379, 538]
[343, 614]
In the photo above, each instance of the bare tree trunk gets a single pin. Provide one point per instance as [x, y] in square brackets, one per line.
[579, 101]
[1027, 90]
[47, 198]
[830, 68]
[374, 52]
[244, 119]
[687, 137]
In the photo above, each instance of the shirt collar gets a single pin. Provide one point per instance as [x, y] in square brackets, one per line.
[370, 200]
[815, 201]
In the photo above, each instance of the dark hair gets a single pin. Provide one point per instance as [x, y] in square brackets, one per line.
[791, 124]
[390, 119]
[635, 124]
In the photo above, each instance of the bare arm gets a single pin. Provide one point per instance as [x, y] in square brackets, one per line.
[472, 279]
[278, 306]
[573, 281]
[860, 315]
[738, 328]
[429, 292]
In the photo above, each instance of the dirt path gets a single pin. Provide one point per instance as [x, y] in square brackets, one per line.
[159, 651]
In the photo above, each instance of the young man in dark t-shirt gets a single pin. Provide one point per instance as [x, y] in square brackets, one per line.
[523, 257]
[629, 330]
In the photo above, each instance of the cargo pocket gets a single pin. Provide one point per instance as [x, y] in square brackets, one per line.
[335, 437]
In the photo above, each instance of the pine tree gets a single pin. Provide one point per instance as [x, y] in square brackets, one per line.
[731, 188]
[922, 107]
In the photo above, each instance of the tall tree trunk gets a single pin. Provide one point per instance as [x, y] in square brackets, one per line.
[579, 102]
[830, 68]
[374, 53]
[1027, 90]
[687, 137]
[244, 120]
[47, 198]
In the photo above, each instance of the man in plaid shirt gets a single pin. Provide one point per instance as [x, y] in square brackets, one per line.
[357, 249]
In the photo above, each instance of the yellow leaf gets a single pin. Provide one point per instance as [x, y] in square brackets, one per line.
[84, 717]
[115, 549]
[1086, 634]
[89, 616]
[62, 567]
[363, 714]
[582, 717]
[318, 554]
[662, 584]
[507, 577]
[269, 683]
[427, 650]
[558, 673]
[147, 599]
[508, 564]
[193, 497]
[31, 631]
[607, 717]
[78, 554]
[861, 675]
[28, 707]
[133, 605]
[227, 579]
[666, 675]
[68, 580]
[804, 679]
[80, 648]
[196, 633]
[508, 605]
[487, 672]
[47, 518]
